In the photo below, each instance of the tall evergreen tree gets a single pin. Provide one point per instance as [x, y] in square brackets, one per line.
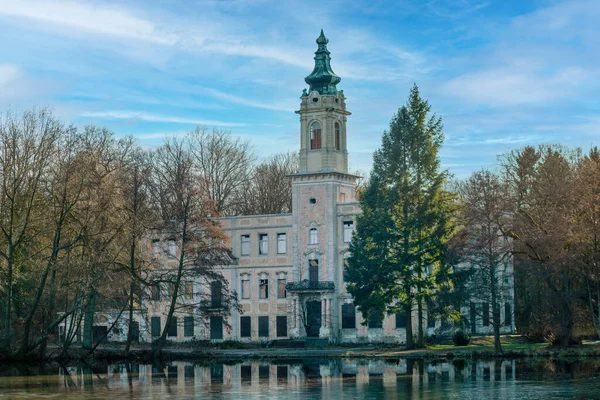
[401, 237]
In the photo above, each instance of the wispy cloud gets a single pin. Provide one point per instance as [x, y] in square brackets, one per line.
[8, 74]
[143, 116]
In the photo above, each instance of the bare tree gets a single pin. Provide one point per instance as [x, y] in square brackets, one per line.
[488, 247]
[224, 163]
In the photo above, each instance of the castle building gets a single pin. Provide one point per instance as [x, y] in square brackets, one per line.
[289, 269]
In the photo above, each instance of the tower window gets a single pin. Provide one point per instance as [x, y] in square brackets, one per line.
[312, 236]
[338, 135]
[315, 136]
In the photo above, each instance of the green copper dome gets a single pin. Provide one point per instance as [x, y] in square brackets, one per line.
[323, 79]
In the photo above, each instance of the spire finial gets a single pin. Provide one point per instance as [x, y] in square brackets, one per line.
[323, 79]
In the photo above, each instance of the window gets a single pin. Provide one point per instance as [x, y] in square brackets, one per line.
[189, 290]
[507, 314]
[281, 243]
[472, 317]
[216, 327]
[348, 316]
[170, 290]
[245, 326]
[281, 326]
[400, 320]
[246, 374]
[188, 326]
[281, 293]
[338, 136]
[245, 245]
[430, 319]
[245, 287]
[263, 244]
[155, 292]
[155, 326]
[216, 294]
[155, 248]
[263, 326]
[374, 319]
[315, 136]
[348, 228]
[312, 236]
[313, 270]
[172, 248]
[485, 311]
[172, 330]
[263, 288]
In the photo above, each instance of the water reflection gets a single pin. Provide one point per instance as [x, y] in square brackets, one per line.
[414, 379]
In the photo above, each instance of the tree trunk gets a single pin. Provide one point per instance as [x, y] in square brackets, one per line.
[8, 306]
[88, 320]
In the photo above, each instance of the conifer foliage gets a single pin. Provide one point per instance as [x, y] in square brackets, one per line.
[398, 250]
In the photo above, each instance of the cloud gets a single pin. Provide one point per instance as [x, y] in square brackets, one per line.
[245, 102]
[143, 116]
[8, 74]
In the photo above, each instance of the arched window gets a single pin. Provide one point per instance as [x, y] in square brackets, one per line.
[315, 136]
[338, 136]
[312, 236]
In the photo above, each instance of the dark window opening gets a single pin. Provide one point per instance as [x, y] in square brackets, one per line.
[263, 326]
[216, 327]
[348, 316]
[245, 326]
[374, 319]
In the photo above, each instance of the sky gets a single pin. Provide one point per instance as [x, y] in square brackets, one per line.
[502, 74]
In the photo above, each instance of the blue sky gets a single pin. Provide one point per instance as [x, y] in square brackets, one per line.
[501, 73]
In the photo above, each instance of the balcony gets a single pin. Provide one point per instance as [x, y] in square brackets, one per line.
[310, 286]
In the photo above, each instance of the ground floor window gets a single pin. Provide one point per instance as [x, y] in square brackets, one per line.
[485, 311]
[155, 326]
[281, 325]
[400, 320]
[216, 327]
[348, 316]
[188, 326]
[507, 314]
[246, 326]
[172, 331]
[263, 326]
[375, 321]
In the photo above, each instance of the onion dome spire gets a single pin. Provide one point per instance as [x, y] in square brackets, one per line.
[322, 79]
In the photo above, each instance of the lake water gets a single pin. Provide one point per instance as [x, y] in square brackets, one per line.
[336, 379]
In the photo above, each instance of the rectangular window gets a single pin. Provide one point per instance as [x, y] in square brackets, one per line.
[263, 244]
[374, 320]
[172, 249]
[245, 245]
[245, 326]
[216, 327]
[263, 326]
[188, 326]
[348, 228]
[281, 293]
[281, 326]
[313, 238]
[263, 288]
[485, 312]
[246, 289]
[348, 316]
[430, 320]
[246, 374]
[281, 243]
[216, 294]
[155, 326]
[172, 331]
[189, 290]
[473, 318]
[155, 293]
[313, 270]
[507, 314]
[400, 320]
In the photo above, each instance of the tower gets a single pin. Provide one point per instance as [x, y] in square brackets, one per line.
[321, 192]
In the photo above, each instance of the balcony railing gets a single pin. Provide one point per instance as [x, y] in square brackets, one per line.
[308, 286]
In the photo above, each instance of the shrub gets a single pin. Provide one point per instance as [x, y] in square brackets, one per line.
[460, 338]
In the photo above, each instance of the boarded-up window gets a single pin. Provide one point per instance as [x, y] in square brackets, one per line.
[216, 294]
[263, 326]
[245, 245]
[281, 325]
[281, 243]
[188, 326]
[374, 319]
[172, 331]
[245, 288]
[281, 293]
[400, 320]
[246, 326]
[263, 244]
[348, 316]
[155, 326]
[172, 249]
[263, 288]
[216, 327]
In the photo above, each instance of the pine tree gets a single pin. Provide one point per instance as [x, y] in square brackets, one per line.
[401, 236]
